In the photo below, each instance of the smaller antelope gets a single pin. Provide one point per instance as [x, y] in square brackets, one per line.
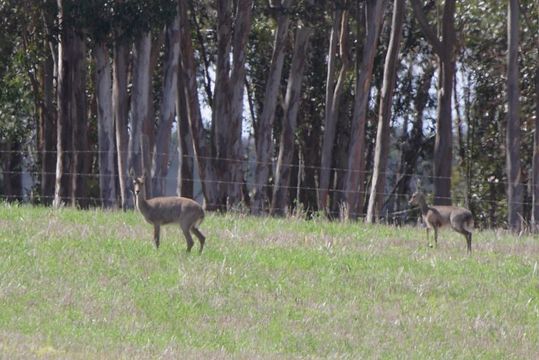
[169, 210]
[435, 217]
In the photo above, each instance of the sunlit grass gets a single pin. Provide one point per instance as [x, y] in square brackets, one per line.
[81, 284]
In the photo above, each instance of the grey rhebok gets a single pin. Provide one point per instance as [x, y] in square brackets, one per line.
[170, 210]
[435, 217]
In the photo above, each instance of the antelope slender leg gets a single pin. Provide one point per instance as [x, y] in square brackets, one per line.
[201, 238]
[469, 242]
[189, 239]
[156, 234]
[435, 237]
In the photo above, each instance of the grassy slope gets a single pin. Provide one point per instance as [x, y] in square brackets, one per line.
[79, 283]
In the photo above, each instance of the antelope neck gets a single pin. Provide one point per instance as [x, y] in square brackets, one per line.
[423, 206]
[141, 202]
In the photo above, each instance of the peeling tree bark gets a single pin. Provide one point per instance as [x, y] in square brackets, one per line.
[120, 108]
[382, 135]
[168, 108]
[292, 100]
[139, 102]
[445, 51]
[71, 141]
[47, 131]
[333, 101]
[535, 165]
[105, 125]
[355, 172]
[232, 35]
[264, 143]
[201, 144]
[512, 151]
[186, 156]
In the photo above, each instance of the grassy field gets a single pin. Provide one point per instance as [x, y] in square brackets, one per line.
[90, 284]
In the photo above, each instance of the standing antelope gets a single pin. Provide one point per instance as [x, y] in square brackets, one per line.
[435, 217]
[169, 210]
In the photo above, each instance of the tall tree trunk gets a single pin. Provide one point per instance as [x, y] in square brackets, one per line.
[333, 100]
[120, 108]
[535, 165]
[221, 114]
[186, 156]
[514, 186]
[149, 128]
[11, 161]
[80, 173]
[264, 143]
[105, 125]
[232, 35]
[355, 172]
[201, 144]
[47, 130]
[382, 136]
[414, 144]
[68, 93]
[445, 51]
[292, 100]
[167, 111]
[64, 100]
[139, 103]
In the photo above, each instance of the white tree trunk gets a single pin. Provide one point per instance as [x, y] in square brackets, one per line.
[139, 102]
[382, 136]
[105, 126]
[333, 101]
[512, 151]
[291, 107]
[168, 108]
[120, 109]
[535, 165]
[201, 144]
[355, 172]
[264, 143]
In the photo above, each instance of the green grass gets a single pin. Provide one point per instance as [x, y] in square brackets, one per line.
[85, 284]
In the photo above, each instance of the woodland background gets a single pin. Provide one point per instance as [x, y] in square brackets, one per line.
[274, 106]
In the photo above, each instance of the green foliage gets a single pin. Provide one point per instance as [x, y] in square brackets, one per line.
[99, 18]
[91, 284]
[483, 65]
[15, 105]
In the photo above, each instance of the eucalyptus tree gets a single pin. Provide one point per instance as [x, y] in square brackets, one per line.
[233, 26]
[120, 104]
[72, 161]
[147, 16]
[382, 135]
[99, 31]
[264, 126]
[339, 35]
[167, 110]
[355, 170]
[513, 136]
[444, 47]
[202, 146]
[292, 99]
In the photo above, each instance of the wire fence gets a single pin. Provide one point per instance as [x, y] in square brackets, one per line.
[248, 161]
[391, 211]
